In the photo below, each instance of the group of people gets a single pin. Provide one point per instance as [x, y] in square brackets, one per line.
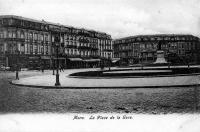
[61, 68]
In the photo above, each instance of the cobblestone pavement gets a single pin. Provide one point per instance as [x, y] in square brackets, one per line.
[152, 100]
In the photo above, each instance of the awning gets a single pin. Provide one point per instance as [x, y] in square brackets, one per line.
[60, 58]
[92, 60]
[114, 60]
[45, 57]
[75, 59]
[35, 57]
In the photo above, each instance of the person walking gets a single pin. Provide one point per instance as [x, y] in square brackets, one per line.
[62, 68]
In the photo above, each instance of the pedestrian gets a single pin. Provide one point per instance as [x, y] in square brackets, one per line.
[42, 68]
[62, 68]
[102, 66]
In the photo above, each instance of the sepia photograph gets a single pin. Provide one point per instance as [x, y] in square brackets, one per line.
[99, 65]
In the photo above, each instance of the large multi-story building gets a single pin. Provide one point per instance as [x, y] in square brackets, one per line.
[142, 48]
[30, 42]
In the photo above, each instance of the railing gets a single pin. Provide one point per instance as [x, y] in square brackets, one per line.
[12, 39]
[71, 46]
[84, 47]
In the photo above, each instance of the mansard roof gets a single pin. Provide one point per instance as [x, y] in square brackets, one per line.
[54, 24]
[155, 35]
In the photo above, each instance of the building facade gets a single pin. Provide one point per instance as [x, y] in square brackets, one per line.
[180, 49]
[31, 43]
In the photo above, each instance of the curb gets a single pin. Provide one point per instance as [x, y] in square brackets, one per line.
[104, 87]
[119, 77]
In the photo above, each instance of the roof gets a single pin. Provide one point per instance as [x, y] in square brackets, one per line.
[153, 35]
[75, 59]
[51, 23]
[92, 60]
[22, 18]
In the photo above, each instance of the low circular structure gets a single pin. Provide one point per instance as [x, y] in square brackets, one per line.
[138, 73]
[117, 78]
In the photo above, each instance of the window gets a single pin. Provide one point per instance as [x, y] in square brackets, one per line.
[18, 34]
[142, 46]
[9, 34]
[22, 34]
[42, 37]
[10, 21]
[35, 36]
[46, 49]
[46, 37]
[30, 36]
[26, 35]
[5, 34]
[14, 34]
[22, 48]
[52, 38]
[39, 49]
[1, 48]
[1, 22]
[42, 50]
[35, 49]
[31, 49]
[1, 34]
[149, 46]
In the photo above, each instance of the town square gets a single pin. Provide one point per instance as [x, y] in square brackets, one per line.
[110, 63]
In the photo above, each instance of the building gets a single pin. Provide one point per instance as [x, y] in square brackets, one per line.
[178, 48]
[31, 43]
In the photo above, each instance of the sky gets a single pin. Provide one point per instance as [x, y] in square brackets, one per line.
[119, 18]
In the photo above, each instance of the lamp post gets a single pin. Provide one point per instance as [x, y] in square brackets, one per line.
[57, 42]
[6, 59]
[53, 67]
[142, 60]
[109, 59]
[168, 59]
[17, 67]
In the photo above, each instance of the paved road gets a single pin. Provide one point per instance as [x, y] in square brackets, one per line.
[153, 100]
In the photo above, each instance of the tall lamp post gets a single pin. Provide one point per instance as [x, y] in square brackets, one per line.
[109, 59]
[53, 65]
[17, 65]
[57, 42]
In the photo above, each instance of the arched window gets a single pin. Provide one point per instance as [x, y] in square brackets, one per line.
[9, 34]
[22, 34]
[35, 36]
[14, 34]
[5, 33]
[1, 34]
[18, 34]
[30, 35]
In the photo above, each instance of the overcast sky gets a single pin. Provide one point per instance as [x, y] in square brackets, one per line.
[120, 18]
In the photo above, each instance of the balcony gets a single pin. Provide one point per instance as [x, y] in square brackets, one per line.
[84, 47]
[83, 40]
[71, 46]
[62, 44]
[46, 42]
[72, 55]
[94, 48]
[12, 39]
[109, 50]
[94, 56]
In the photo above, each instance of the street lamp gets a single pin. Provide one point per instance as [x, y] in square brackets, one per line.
[109, 59]
[53, 67]
[17, 66]
[142, 60]
[57, 42]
